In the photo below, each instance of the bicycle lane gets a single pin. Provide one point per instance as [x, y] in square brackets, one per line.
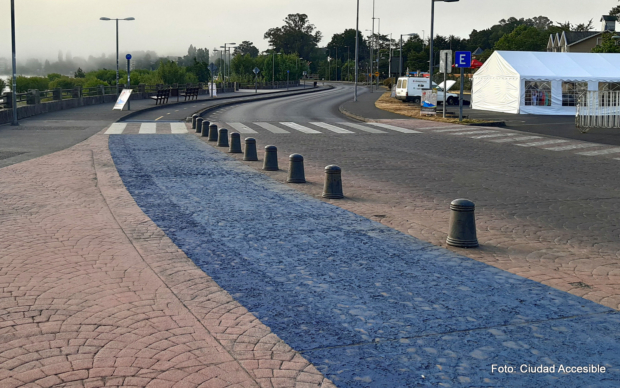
[367, 305]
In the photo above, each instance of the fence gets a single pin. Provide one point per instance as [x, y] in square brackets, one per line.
[598, 110]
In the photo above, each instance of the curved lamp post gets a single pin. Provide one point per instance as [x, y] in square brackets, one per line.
[431, 40]
[108, 19]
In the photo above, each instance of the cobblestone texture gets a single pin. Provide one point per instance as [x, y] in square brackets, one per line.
[543, 215]
[93, 294]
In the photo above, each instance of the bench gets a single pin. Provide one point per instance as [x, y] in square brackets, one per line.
[191, 93]
[162, 96]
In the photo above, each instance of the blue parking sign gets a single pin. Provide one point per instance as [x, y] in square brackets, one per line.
[462, 59]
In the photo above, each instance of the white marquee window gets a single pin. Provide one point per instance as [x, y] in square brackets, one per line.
[571, 92]
[538, 93]
[609, 93]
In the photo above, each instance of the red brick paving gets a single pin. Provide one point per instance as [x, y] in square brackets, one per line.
[93, 294]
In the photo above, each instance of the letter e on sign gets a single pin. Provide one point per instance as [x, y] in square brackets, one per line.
[463, 59]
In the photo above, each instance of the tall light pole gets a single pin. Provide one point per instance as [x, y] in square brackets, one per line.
[373, 34]
[14, 80]
[431, 39]
[348, 64]
[273, 79]
[107, 19]
[400, 65]
[224, 64]
[357, 25]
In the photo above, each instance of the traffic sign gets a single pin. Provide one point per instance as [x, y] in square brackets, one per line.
[463, 59]
[445, 61]
[376, 74]
[128, 56]
[212, 68]
[256, 70]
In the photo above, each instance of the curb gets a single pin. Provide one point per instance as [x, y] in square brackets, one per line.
[268, 97]
[137, 112]
[367, 120]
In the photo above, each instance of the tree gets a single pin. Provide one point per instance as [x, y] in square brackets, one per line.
[347, 38]
[79, 73]
[297, 36]
[568, 26]
[608, 45]
[524, 38]
[615, 11]
[246, 47]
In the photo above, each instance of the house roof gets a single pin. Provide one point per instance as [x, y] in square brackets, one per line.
[573, 37]
[609, 18]
[547, 66]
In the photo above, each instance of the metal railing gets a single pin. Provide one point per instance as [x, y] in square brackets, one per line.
[33, 97]
[598, 110]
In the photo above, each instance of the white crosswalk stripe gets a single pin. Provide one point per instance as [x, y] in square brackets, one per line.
[394, 128]
[453, 129]
[148, 128]
[332, 128]
[496, 135]
[271, 128]
[362, 128]
[178, 128]
[572, 147]
[299, 128]
[520, 138]
[472, 133]
[242, 128]
[116, 129]
[600, 152]
[541, 143]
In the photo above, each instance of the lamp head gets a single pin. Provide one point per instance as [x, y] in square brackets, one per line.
[104, 19]
[130, 18]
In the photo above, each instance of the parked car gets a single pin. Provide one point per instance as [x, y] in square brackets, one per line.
[410, 89]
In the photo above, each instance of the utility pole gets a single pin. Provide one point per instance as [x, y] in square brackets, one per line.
[14, 80]
[357, 25]
[372, 38]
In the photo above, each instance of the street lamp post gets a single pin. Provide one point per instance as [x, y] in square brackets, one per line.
[14, 80]
[273, 75]
[348, 64]
[357, 22]
[400, 65]
[373, 34]
[431, 39]
[107, 19]
[224, 63]
[336, 64]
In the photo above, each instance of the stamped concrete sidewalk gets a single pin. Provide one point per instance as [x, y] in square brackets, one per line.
[92, 293]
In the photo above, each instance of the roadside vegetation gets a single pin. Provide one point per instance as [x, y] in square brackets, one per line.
[295, 50]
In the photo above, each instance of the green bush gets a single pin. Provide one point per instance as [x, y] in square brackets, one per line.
[53, 76]
[94, 82]
[2, 85]
[65, 82]
[26, 83]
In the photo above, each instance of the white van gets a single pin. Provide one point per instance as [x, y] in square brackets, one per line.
[410, 89]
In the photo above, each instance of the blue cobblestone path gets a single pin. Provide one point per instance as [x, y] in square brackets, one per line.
[368, 305]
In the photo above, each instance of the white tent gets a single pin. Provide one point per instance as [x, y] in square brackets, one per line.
[545, 83]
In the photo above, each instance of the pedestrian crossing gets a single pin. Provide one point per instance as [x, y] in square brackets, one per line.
[498, 136]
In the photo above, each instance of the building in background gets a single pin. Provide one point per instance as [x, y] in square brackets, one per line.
[581, 41]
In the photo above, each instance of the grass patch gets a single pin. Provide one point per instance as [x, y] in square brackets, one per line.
[393, 105]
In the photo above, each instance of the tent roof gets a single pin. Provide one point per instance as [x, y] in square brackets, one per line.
[545, 66]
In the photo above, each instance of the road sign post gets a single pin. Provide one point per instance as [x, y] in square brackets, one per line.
[256, 71]
[212, 87]
[288, 72]
[462, 60]
[445, 67]
[128, 56]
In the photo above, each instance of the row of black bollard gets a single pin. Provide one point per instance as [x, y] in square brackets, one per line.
[462, 229]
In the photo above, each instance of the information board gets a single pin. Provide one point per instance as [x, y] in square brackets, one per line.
[122, 99]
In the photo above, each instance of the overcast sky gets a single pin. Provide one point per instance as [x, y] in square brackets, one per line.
[169, 27]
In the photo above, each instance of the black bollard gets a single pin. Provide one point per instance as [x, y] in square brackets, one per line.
[194, 117]
[222, 137]
[271, 158]
[333, 182]
[205, 129]
[250, 150]
[462, 232]
[199, 121]
[212, 132]
[235, 143]
[296, 169]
